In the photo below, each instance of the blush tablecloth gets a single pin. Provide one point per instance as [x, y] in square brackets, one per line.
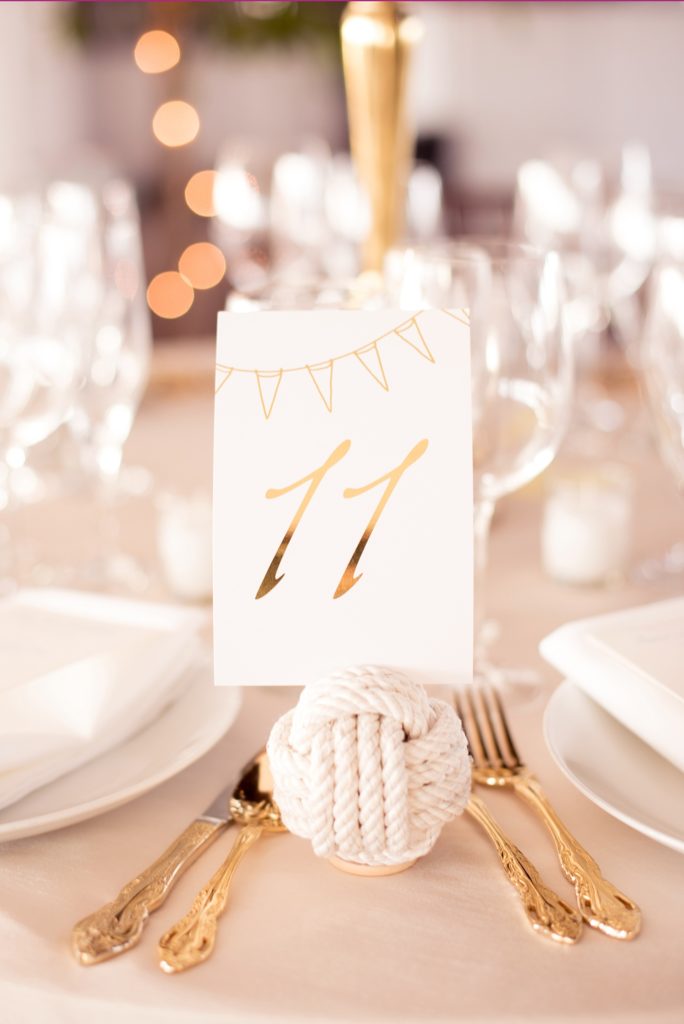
[445, 941]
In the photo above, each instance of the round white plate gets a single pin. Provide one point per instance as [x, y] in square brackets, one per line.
[181, 734]
[614, 768]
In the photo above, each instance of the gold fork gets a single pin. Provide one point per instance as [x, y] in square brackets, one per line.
[548, 914]
[497, 763]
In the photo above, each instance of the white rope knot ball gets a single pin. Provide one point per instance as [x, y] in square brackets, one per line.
[369, 768]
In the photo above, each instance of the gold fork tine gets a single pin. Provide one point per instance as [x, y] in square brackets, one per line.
[491, 744]
[510, 754]
[466, 713]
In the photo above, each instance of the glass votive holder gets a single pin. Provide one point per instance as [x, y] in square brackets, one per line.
[184, 545]
[586, 536]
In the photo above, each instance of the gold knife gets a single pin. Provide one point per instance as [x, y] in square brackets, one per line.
[117, 926]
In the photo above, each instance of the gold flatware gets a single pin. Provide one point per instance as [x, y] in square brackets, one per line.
[117, 926]
[192, 939]
[548, 914]
[497, 763]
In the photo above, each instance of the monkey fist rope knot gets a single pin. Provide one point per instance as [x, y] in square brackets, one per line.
[369, 768]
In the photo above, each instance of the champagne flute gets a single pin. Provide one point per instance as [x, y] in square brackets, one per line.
[521, 371]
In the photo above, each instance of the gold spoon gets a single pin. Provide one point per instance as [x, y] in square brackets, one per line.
[191, 940]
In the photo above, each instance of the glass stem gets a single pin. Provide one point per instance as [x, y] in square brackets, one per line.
[4, 483]
[483, 512]
[6, 545]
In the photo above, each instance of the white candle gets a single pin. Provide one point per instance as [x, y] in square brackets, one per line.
[184, 542]
[587, 527]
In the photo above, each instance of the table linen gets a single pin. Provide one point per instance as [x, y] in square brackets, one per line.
[300, 941]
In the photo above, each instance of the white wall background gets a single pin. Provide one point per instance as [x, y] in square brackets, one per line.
[41, 91]
[506, 80]
[514, 80]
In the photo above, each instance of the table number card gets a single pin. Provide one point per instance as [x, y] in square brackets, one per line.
[342, 495]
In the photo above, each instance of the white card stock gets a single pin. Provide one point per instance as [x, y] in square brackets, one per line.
[342, 495]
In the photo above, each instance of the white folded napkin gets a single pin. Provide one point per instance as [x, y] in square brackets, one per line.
[632, 664]
[80, 673]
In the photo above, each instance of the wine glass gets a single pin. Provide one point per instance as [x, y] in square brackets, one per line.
[604, 233]
[116, 328]
[521, 371]
[40, 353]
[113, 324]
[303, 214]
[662, 373]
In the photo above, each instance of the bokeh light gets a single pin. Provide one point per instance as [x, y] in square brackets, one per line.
[156, 51]
[199, 193]
[169, 295]
[203, 264]
[176, 123]
[238, 201]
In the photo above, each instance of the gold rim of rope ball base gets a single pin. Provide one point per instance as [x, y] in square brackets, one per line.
[370, 870]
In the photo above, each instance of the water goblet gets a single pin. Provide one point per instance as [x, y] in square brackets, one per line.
[521, 372]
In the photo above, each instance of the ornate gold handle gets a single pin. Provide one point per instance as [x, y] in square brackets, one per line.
[191, 940]
[602, 905]
[547, 912]
[118, 925]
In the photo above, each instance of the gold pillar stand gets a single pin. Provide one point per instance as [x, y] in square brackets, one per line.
[377, 41]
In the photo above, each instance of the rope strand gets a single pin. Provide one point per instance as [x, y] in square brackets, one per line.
[369, 768]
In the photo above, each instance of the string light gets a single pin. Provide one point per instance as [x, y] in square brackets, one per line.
[156, 51]
[199, 193]
[170, 295]
[176, 123]
[203, 265]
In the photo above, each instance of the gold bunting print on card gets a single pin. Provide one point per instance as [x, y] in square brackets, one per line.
[413, 336]
[222, 375]
[322, 376]
[369, 357]
[462, 315]
[268, 383]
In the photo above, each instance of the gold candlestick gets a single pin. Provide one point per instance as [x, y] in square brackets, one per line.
[377, 40]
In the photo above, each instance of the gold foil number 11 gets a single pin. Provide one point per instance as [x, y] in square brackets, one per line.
[314, 479]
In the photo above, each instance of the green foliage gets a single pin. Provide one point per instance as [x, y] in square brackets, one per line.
[237, 25]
